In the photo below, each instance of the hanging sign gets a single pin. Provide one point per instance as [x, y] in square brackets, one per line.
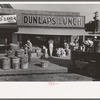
[8, 19]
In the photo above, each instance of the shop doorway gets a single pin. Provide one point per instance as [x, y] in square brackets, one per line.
[5, 40]
[64, 39]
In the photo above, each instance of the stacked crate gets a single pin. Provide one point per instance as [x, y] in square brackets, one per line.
[38, 52]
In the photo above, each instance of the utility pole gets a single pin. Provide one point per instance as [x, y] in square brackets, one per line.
[95, 29]
[96, 21]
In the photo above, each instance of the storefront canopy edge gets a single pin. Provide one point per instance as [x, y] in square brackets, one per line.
[96, 34]
[9, 27]
[52, 31]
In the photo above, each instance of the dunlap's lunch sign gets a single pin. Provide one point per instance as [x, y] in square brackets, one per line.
[53, 20]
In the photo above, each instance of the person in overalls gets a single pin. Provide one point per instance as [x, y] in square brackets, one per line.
[29, 46]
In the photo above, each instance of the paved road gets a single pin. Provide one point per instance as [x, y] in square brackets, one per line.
[47, 77]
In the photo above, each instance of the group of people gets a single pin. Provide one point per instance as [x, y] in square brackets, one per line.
[78, 44]
[51, 47]
[27, 48]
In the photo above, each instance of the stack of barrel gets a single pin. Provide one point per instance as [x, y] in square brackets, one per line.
[20, 53]
[23, 58]
[15, 60]
[24, 61]
[5, 62]
[10, 53]
[15, 63]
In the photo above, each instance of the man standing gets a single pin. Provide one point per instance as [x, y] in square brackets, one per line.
[29, 46]
[51, 42]
[88, 43]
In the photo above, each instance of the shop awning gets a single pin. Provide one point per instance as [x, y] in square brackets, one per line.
[8, 27]
[51, 31]
[96, 34]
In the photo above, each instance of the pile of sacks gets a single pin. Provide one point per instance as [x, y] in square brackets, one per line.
[14, 47]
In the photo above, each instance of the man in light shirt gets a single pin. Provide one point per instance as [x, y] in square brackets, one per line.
[29, 46]
[88, 43]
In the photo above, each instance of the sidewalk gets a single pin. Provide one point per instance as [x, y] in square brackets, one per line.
[55, 65]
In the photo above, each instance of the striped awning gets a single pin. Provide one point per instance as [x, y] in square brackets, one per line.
[51, 31]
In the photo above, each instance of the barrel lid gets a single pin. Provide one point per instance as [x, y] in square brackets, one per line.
[10, 51]
[24, 55]
[43, 61]
[20, 50]
[12, 56]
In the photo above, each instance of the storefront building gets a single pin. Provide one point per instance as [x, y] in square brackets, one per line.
[40, 26]
[8, 26]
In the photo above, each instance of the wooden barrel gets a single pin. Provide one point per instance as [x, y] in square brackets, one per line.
[20, 53]
[24, 65]
[44, 64]
[6, 63]
[24, 61]
[15, 63]
[10, 53]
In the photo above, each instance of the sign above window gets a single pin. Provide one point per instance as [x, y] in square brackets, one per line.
[53, 21]
[8, 19]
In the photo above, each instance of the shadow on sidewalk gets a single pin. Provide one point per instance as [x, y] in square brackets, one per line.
[59, 61]
[80, 68]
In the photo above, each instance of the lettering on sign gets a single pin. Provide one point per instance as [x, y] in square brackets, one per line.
[8, 19]
[53, 21]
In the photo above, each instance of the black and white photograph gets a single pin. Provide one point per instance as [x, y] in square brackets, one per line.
[49, 42]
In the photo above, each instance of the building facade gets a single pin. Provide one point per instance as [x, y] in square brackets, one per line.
[40, 26]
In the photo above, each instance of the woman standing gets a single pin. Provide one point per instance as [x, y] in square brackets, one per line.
[51, 42]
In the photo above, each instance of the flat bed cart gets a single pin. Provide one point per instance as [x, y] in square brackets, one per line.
[93, 59]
